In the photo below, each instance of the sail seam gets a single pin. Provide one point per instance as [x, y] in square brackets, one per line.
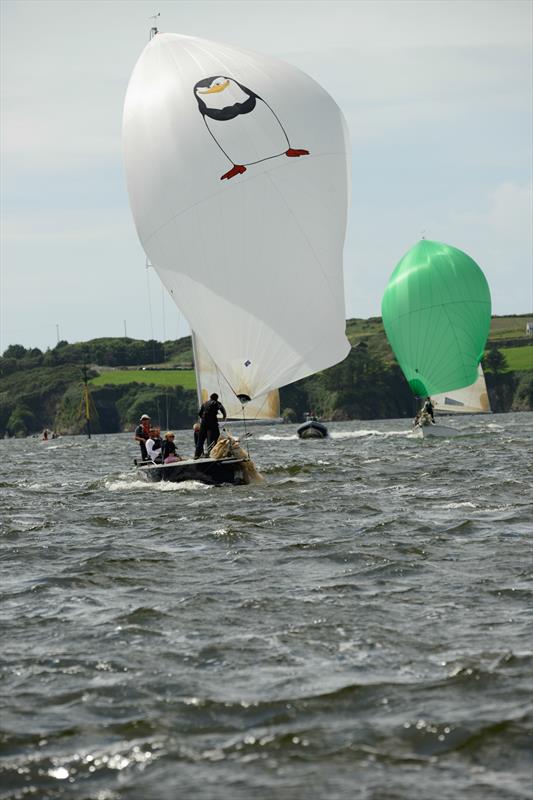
[218, 192]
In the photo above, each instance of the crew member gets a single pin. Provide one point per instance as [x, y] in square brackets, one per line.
[209, 429]
[196, 433]
[427, 408]
[142, 433]
[169, 449]
[154, 445]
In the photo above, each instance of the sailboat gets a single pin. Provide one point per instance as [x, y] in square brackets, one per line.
[436, 312]
[237, 173]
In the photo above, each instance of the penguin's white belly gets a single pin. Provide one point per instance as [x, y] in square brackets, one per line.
[251, 137]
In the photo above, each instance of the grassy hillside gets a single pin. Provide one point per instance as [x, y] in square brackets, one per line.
[40, 390]
[509, 327]
[176, 377]
[518, 359]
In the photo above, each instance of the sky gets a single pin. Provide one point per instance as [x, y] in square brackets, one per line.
[438, 99]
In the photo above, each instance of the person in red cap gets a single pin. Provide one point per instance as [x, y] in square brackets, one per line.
[142, 433]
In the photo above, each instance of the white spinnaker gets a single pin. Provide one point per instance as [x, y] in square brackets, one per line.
[254, 261]
[473, 399]
[209, 380]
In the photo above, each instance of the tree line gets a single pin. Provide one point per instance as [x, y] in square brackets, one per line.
[45, 390]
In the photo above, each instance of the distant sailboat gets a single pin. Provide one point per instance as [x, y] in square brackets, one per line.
[237, 172]
[436, 312]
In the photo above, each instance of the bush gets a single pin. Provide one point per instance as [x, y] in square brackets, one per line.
[21, 421]
[495, 361]
[174, 404]
[289, 415]
[15, 351]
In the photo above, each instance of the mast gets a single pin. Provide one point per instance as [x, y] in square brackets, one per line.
[153, 29]
[196, 368]
[86, 400]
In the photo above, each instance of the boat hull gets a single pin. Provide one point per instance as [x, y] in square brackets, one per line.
[312, 430]
[206, 470]
[437, 431]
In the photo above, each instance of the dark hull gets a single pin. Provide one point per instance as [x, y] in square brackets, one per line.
[205, 470]
[312, 430]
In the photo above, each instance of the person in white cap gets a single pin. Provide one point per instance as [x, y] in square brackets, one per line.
[142, 433]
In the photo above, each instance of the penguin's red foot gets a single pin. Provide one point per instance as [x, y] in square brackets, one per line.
[294, 153]
[237, 169]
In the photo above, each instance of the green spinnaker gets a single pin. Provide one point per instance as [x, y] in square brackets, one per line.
[436, 312]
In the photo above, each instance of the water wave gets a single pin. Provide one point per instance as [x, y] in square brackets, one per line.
[361, 618]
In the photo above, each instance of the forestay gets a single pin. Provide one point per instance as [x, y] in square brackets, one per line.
[237, 172]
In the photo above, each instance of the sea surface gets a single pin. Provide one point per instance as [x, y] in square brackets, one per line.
[360, 625]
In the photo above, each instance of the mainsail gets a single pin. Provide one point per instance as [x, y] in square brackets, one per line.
[436, 313]
[209, 379]
[473, 399]
[237, 172]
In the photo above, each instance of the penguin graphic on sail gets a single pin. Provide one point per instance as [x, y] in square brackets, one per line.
[243, 125]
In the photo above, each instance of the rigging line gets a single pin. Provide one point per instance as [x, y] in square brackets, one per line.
[220, 373]
[149, 293]
[245, 430]
[154, 354]
[163, 351]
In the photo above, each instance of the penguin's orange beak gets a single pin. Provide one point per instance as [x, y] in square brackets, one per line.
[219, 87]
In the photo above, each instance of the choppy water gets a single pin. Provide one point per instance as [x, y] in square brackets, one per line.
[359, 626]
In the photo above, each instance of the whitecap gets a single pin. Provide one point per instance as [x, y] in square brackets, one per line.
[269, 437]
[125, 485]
[465, 504]
[366, 432]
[168, 486]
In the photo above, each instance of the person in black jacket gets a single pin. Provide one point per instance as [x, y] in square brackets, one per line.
[428, 409]
[142, 433]
[209, 429]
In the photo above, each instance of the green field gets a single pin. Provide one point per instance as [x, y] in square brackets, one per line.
[518, 358]
[175, 377]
